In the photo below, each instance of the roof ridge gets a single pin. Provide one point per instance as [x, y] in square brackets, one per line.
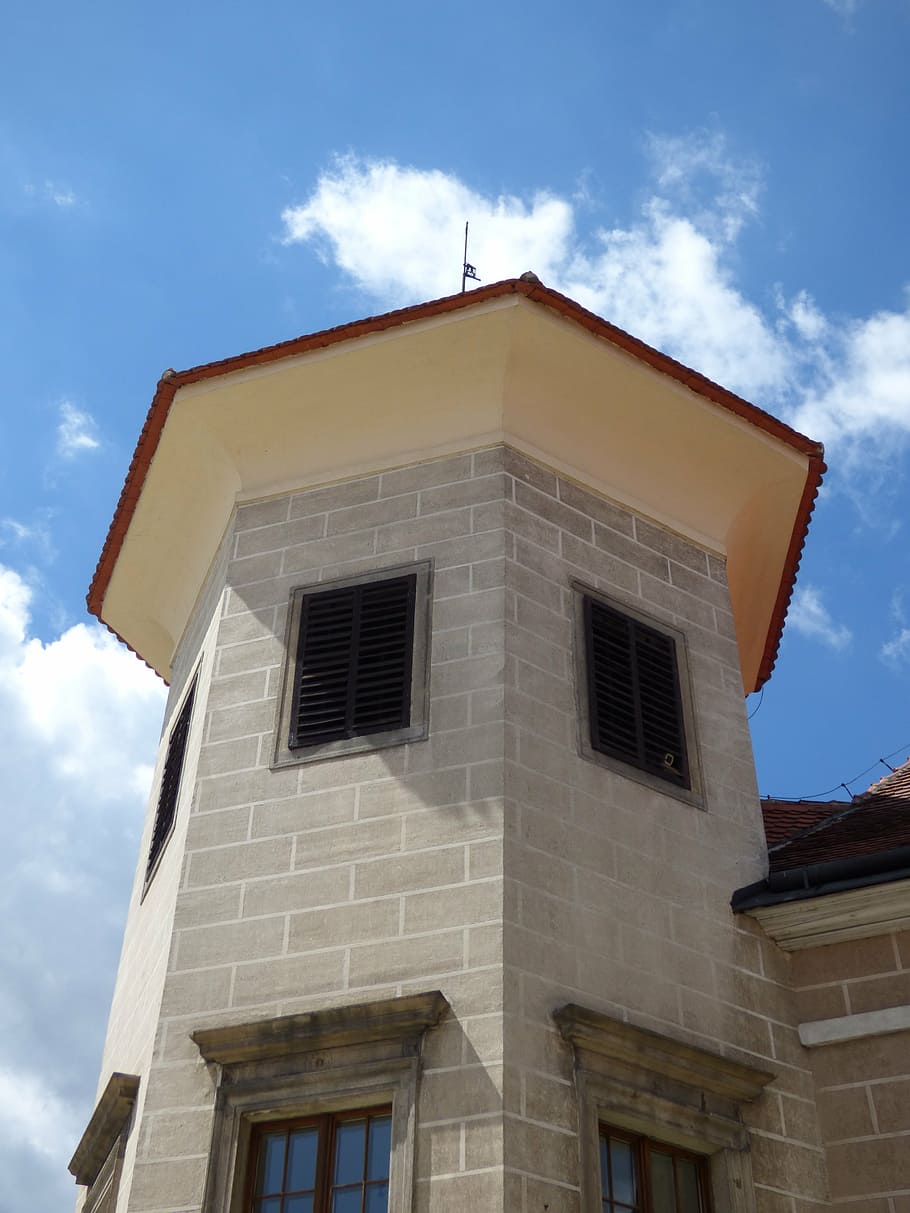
[895, 775]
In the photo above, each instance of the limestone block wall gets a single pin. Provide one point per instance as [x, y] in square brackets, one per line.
[863, 1085]
[359, 877]
[133, 1020]
[617, 895]
[490, 861]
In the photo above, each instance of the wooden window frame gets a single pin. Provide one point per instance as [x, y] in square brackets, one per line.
[327, 1124]
[286, 751]
[688, 789]
[642, 1147]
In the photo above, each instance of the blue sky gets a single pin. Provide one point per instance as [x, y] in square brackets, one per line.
[180, 183]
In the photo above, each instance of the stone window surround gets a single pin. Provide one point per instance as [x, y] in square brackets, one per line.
[98, 1158]
[191, 687]
[283, 755]
[649, 1084]
[692, 795]
[347, 1057]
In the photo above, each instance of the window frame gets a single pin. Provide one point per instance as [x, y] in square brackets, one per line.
[327, 1123]
[417, 728]
[691, 794]
[642, 1148]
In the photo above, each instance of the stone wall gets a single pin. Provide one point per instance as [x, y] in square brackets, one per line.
[862, 1085]
[618, 895]
[490, 861]
[360, 877]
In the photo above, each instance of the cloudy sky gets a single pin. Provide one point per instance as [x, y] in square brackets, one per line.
[182, 182]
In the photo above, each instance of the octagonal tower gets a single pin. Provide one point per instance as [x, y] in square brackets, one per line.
[457, 606]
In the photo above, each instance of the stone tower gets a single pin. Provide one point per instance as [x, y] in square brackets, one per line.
[457, 606]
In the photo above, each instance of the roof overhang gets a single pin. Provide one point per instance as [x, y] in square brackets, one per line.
[514, 362]
[852, 899]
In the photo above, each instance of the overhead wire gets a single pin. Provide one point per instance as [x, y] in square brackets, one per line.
[845, 784]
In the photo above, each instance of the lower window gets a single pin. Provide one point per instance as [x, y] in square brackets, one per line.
[638, 1175]
[324, 1164]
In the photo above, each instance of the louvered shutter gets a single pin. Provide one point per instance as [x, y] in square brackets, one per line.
[354, 660]
[170, 780]
[633, 693]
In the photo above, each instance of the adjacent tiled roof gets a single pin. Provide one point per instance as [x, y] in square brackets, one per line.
[785, 818]
[812, 832]
[531, 289]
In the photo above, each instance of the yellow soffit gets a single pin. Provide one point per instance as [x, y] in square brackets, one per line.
[506, 370]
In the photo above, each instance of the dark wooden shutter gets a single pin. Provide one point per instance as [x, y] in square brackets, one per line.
[354, 659]
[170, 780]
[633, 693]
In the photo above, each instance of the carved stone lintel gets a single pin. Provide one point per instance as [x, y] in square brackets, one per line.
[389, 1019]
[650, 1052]
[112, 1112]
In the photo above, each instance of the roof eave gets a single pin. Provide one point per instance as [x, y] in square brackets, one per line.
[172, 381]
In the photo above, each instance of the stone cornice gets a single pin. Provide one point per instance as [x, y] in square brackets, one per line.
[112, 1112]
[593, 1033]
[392, 1019]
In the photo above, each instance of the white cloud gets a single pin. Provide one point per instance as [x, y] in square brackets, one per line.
[60, 195]
[897, 650]
[397, 232]
[669, 277]
[81, 717]
[51, 191]
[809, 616]
[35, 536]
[805, 317]
[720, 192]
[33, 1115]
[860, 397]
[76, 431]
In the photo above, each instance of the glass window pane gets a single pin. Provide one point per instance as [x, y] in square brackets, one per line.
[663, 1189]
[302, 1149]
[272, 1205]
[377, 1198]
[379, 1150]
[689, 1187]
[271, 1164]
[622, 1162]
[349, 1143]
[347, 1200]
[298, 1204]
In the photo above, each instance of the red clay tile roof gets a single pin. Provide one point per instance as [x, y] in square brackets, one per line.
[872, 823]
[171, 381]
[785, 818]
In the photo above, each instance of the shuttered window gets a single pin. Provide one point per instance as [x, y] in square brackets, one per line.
[170, 781]
[354, 662]
[634, 699]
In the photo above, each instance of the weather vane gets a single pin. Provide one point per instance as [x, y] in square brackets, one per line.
[467, 270]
